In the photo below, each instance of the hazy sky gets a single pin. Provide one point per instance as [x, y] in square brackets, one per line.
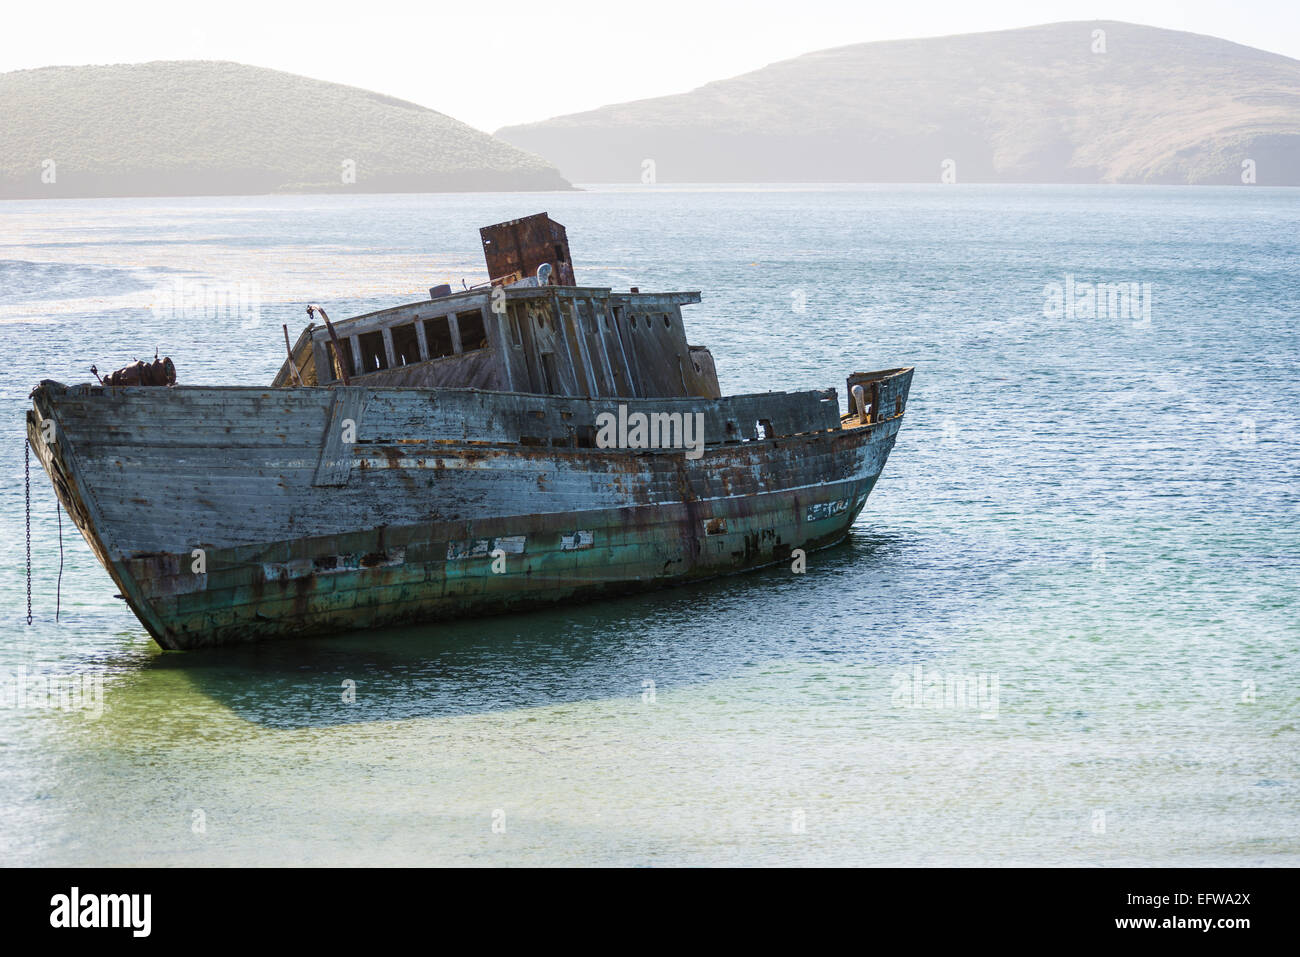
[495, 63]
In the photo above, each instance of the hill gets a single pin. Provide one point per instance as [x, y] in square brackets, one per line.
[1060, 103]
[217, 128]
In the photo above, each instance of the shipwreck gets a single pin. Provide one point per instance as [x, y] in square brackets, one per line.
[518, 443]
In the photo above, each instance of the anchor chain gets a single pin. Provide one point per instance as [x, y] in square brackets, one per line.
[27, 475]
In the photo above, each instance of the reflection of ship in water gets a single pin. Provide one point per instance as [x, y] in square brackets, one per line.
[552, 656]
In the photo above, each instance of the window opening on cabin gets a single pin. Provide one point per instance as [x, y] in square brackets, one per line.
[336, 370]
[373, 356]
[472, 334]
[437, 335]
[550, 374]
[406, 346]
[516, 333]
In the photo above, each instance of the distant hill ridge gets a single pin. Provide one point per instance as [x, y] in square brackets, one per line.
[1082, 102]
[218, 128]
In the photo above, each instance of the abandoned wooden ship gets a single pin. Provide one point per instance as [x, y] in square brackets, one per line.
[523, 442]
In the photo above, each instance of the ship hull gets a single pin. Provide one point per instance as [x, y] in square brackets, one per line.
[229, 515]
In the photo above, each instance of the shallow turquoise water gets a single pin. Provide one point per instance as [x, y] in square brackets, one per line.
[1100, 514]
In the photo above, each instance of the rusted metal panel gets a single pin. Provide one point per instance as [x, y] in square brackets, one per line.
[520, 246]
[159, 372]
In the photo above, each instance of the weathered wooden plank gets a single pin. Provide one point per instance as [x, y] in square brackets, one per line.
[340, 434]
[220, 511]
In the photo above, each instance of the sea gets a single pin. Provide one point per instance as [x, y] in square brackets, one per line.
[1064, 631]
